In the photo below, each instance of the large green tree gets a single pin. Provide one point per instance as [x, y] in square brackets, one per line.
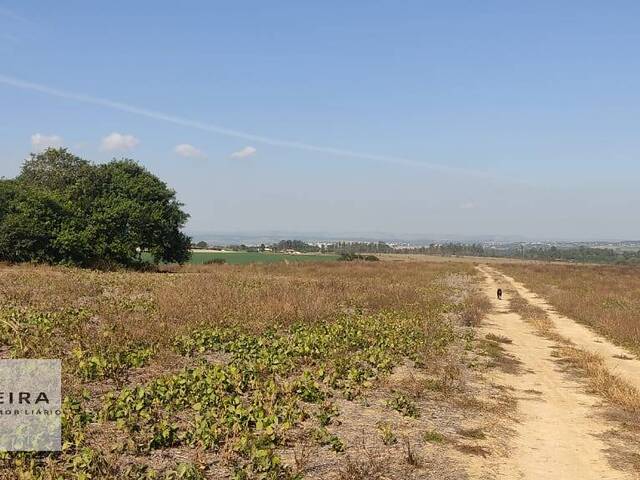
[63, 209]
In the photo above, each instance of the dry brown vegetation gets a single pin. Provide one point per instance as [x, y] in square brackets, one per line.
[128, 307]
[291, 370]
[607, 298]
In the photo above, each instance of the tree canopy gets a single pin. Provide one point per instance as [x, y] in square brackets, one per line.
[64, 209]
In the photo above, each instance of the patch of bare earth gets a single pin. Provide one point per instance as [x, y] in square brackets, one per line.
[454, 428]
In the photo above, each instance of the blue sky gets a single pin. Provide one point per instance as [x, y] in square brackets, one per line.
[492, 117]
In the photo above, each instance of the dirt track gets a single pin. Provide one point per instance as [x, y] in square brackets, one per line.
[559, 433]
[618, 360]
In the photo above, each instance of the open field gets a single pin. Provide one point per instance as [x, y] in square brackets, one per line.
[314, 370]
[606, 298]
[240, 258]
[321, 370]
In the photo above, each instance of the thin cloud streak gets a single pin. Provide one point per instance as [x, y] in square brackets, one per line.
[79, 97]
[5, 12]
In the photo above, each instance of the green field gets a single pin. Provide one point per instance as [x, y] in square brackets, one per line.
[198, 258]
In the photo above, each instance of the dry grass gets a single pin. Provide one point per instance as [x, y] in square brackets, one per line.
[498, 338]
[536, 316]
[81, 316]
[602, 381]
[607, 298]
[125, 308]
[135, 306]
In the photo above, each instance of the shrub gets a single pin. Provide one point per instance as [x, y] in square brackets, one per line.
[433, 437]
[215, 261]
[350, 257]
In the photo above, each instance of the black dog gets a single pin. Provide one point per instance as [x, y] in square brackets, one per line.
[499, 294]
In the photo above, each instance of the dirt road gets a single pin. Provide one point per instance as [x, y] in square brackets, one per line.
[559, 433]
[618, 360]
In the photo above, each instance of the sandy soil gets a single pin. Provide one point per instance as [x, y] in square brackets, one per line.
[560, 431]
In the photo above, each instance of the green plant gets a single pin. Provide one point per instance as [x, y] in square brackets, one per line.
[110, 363]
[404, 405]
[433, 436]
[324, 437]
[386, 431]
[326, 413]
[308, 389]
[184, 471]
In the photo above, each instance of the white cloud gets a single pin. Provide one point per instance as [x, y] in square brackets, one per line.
[42, 142]
[118, 141]
[188, 151]
[244, 153]
[468, 205]
[250, 137]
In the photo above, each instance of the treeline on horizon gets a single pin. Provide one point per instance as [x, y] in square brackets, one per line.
[580, 254]
[63, 209]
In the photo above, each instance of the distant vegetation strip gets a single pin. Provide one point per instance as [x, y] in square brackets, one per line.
[240, 258]
[577, 254]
